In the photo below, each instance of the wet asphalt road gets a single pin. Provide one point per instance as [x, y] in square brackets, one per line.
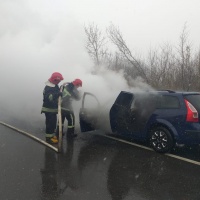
[92, 167]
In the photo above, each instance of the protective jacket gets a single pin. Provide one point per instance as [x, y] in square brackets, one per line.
[70, 93]
[50, 98]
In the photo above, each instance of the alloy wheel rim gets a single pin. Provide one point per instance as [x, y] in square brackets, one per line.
[159, 140]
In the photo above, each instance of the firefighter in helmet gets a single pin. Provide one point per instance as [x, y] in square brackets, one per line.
[70, 92]
[50, 105]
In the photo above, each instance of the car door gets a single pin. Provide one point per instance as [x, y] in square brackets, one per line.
[142, 108]
[130, 113]
[88, 114]
[120, 113]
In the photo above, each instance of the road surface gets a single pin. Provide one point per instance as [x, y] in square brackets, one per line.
[93, 167]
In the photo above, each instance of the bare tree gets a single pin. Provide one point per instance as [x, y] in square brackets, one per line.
[184, 60]
[197, 64]
[116, 38]
[161, 63]
[95, 44]
[163, 69]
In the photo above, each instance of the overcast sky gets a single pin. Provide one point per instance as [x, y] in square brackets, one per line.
[38, 37]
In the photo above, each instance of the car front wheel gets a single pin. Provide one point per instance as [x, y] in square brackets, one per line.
[161, 140]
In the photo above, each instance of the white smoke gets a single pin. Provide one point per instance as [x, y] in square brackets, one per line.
[36, 41]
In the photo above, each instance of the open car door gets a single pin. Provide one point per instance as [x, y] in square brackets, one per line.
[89, 112]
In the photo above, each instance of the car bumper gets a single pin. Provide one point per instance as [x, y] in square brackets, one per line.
[192, 137]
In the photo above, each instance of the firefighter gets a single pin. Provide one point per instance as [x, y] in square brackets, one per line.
[50, 105]
[69, 93]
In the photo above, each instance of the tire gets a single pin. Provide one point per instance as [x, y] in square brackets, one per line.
[161, 140]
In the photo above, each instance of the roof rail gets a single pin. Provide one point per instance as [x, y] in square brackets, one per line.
[170, 91]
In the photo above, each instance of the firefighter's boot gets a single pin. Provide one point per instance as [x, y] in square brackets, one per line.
[70, 133]
[52, 140]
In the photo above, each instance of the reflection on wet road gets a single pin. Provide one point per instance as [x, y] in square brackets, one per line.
[91, 167]
[186, 153]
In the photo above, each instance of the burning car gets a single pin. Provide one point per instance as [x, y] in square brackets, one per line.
[161, 118]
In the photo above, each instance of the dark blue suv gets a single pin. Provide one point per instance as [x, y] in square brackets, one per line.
[162, 118]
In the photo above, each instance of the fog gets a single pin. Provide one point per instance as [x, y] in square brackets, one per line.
[38, 38]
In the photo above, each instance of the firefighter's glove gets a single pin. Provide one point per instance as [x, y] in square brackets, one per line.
[60, 94]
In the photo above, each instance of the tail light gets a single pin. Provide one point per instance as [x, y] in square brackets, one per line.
[192, 113]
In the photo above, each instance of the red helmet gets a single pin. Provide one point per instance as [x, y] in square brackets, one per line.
[55, 78]
[77, 82]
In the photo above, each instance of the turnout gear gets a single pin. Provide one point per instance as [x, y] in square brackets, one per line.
[51, 93]
[69, 115]
[50, 122]
[50, 98]
[70, 93]
[70, 133]
[60, 94]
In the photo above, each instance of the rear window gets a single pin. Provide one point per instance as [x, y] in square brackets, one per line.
[168, 102]
[194, 99]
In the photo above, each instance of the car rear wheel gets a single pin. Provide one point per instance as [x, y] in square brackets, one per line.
[161, 140]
